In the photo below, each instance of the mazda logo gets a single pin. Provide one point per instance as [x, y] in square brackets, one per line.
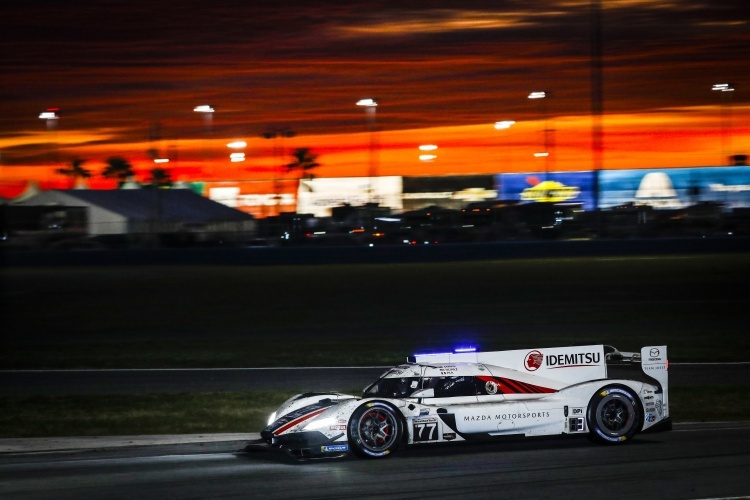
[654, 352]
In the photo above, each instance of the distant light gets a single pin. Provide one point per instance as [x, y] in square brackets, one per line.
[504, 124]
[161, 160]
[541, 155]
[367, 102]
[235, 157]
[723, 87]
[237, 144]
[428, 147]
[203, 108]
[48, 115]
[427, 157]
[457, 350]
[432, 353]
[537, 95]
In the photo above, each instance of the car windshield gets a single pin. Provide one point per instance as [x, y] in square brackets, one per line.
[445, 387]
[393, 387]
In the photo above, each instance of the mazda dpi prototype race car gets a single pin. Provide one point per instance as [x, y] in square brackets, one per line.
[458, 396]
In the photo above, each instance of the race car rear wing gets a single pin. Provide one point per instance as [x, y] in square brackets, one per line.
[653, 362]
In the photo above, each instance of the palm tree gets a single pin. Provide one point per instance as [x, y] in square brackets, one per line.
[160, 178]
[304, 161]
[118, 168]
[75, 171]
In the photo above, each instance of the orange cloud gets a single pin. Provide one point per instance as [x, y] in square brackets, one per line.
[669, 138]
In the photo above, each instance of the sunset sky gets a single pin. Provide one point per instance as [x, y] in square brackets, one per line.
[443, 73]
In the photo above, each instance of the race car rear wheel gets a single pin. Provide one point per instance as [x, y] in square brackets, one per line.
[614, 415]
[375, 430]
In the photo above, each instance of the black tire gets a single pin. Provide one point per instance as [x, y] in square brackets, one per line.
[375, 430]
[614, 415]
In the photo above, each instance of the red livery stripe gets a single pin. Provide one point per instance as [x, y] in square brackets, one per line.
[299, 420]
[507, 386]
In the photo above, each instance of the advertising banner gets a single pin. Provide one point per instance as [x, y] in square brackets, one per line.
[676, 188]
[259, 198]
[447, 191]
[548, 187]
[319, 196]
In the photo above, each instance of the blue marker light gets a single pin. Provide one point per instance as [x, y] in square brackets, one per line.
[457, 350]
[432, 353]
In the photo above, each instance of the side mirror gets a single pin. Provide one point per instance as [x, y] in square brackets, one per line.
[423, 393]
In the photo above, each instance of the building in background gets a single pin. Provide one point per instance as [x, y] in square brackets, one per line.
[134, 216]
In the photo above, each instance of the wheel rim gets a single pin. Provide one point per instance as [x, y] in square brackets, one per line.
[615, 415]
[377, 429]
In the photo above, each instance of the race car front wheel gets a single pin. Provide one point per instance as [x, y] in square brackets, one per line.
[613, 415]
[375, 430]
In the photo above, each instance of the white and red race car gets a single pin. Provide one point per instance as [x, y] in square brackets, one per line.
[459, 396]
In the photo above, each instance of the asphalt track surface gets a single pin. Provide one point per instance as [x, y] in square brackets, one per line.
[93, 382]
[692, 461]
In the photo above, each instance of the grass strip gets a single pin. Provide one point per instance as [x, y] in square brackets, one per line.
[193, 413]
[120, 415]
[369, 314]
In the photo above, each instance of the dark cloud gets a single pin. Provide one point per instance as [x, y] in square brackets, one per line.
[305, 63]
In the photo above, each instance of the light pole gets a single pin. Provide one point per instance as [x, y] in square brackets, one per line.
[597, 99]
[370, 106]
[503, 125]
[207, 113]
[542, 97]
[726, 90]
[51, 118]
[277, 134]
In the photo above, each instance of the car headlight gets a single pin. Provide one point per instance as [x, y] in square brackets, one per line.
[272, 418]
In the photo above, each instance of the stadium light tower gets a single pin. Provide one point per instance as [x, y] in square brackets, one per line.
[504, 125]
[237, 151]
[726, 90]
[278, 134]
[371, 106]
[51, 117]
[542, 97]
[207, 113]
